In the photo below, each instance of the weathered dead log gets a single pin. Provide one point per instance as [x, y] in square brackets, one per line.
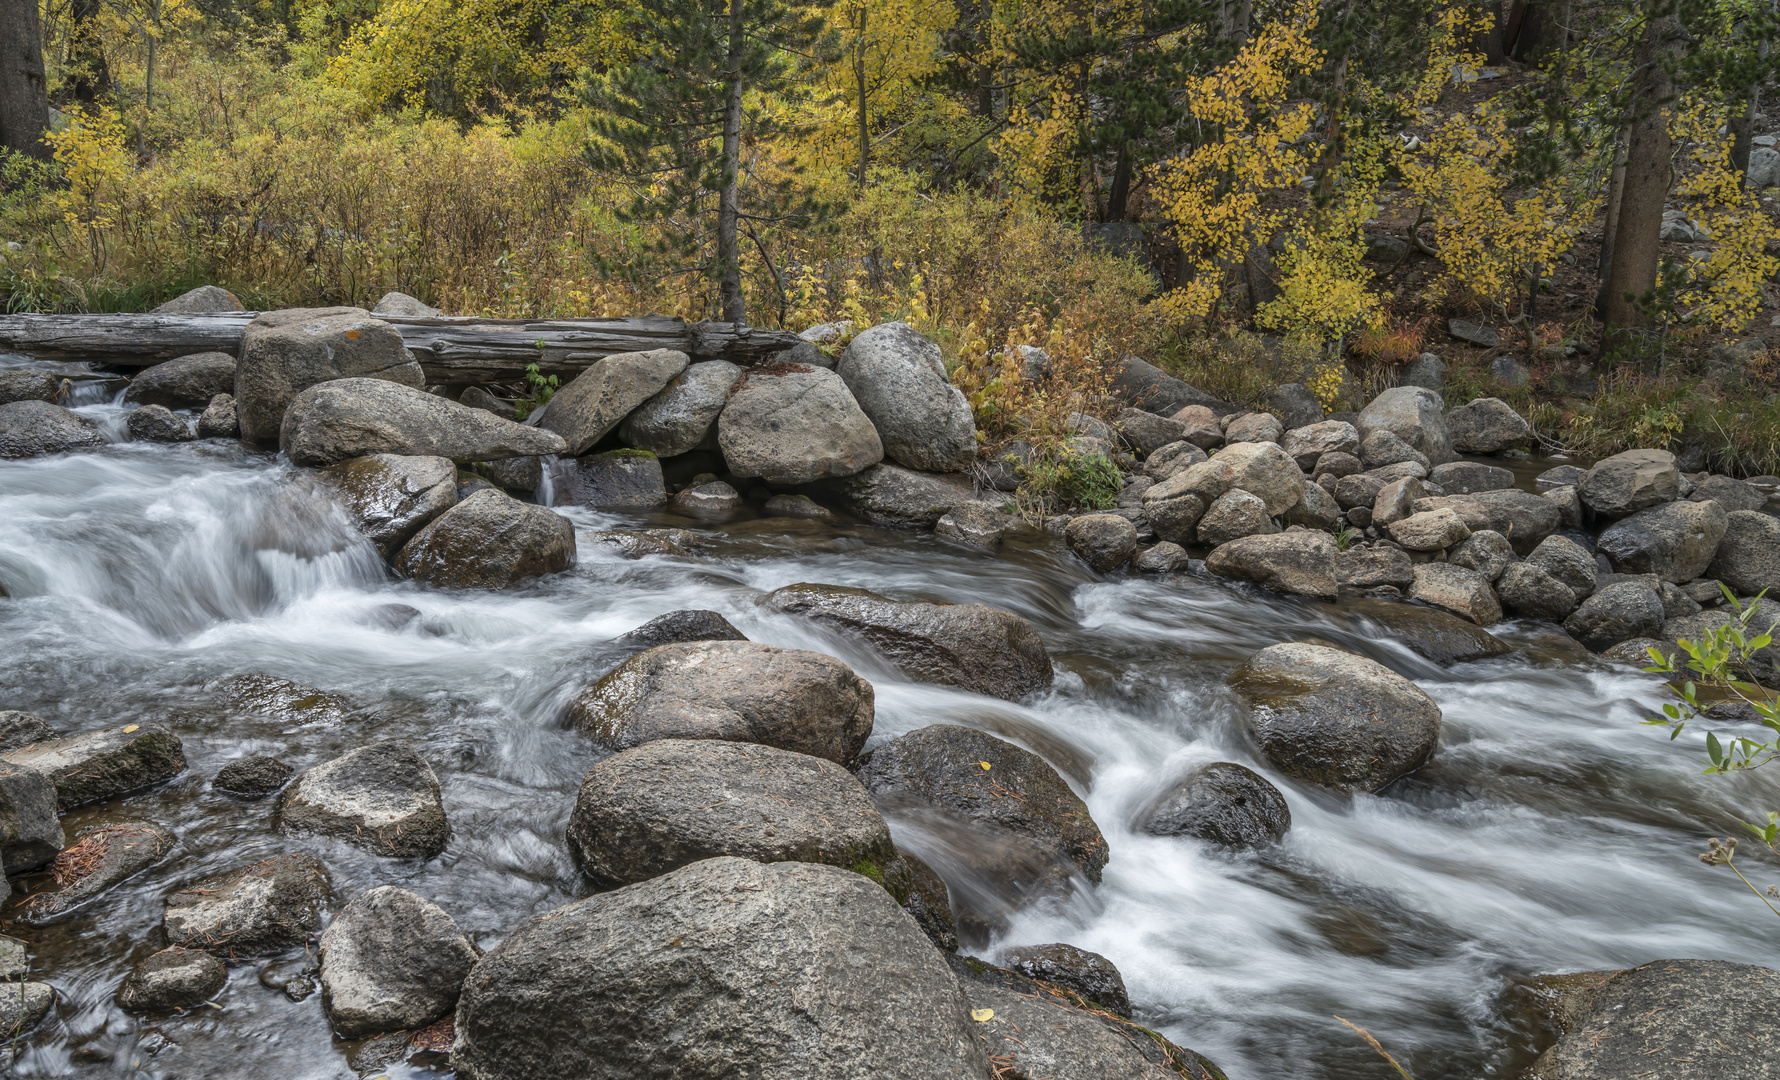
[450, 349]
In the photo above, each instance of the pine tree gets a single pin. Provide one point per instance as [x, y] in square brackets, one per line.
[672, 128]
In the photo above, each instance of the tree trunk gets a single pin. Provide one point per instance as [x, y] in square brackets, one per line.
[1615, 190]
[1636, 234]
[859, 78]
[148, 81]
[729, 263]
[450, 350]
[24, 93]
[1121, 185]
[92, 77]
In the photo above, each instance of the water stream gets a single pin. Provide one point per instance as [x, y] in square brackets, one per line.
[1552, 833]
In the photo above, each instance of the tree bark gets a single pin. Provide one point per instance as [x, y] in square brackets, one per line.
[1636, 234]
[450, 350]
[1615, 190]
[729, 262]
[859, 78]
[92, 76]
[1120, 194]
[24, 91]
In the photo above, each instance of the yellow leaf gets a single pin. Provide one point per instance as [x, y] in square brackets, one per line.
[985, 765]
[982, 1016]
[131, 728]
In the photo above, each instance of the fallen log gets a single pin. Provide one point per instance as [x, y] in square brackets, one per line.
[451, 349]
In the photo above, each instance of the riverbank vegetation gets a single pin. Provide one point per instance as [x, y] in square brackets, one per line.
[1245, 193]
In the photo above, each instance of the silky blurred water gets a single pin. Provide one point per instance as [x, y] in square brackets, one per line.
[1552, 832]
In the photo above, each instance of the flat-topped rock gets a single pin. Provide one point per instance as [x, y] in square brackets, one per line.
[102, 764]
[349, 418]
[253, 910]
[101, 857]
[172, 979]
[383, 798]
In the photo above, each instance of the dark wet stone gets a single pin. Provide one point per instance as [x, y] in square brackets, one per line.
[279, 699]
[252, 777]
[37, 428]
[1437, 635]
[20, 729]
[1087, 973]
[102, 764]
[100, 858]
[157, 423]
[172, 979]
[253, 910]
[677, 626]
[186, 383]
[489, 540]
[30, 833]
[1223, 803]
[383, 797]
[930, 903]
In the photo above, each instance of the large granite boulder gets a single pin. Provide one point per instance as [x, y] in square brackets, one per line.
[899, 379]
[1729, 492]
[1748, 557]
[1430, 530]
[725, 798]
[1623, 610]
[103, 764]
[37, 428]
[973, 647]
[1261, 469]
[1301, 563]
[392, 497]
[892, 495]
[1527, 589]
[726, 967]
[1414, 414]
[679, 418]
[28, 384]
[1486, 552]
[796, 425]
[1568, 562]
[255, 910]
[1629, 482]
[1487, 426]
[1234, 515]
[189, 382]
[1330, 717]
[286, 352]
[348, 418]
[965, 776]
[597, 400]
[1253, 428]
[1675, 541]
[488, 541]
[391, 961]
[383, 797]
[741, 691]
[1225, 804]
[1104, 541]
[1382, 447]
[615, 480]
[1148, 387]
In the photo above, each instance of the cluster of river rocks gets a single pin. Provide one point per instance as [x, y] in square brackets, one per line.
[754, 916]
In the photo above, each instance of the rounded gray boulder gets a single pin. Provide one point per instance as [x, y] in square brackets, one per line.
[286, 352]
[190, 382]
[1224, 803]
[348, 418]
[679, 418]
[383, 798]
[794, 425]
[1104, 541]
[598, 399]
[37, 428]
[488, 541]
[1675, 541]
[171, 979]
[1748, 557]
[1627, 609]
[899, 379]
[390, 961]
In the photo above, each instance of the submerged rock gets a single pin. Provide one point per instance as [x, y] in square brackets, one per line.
[973, 647]
[741, 691]
[755, 968]
[279, 699]
[725, 798]
[102, 764]
[253, 910]
[390, 961]
[1224, 803]
[252, 777]
[37, 428]
[172, 979]
[101, 857]
[383, 798]
[1333, 718]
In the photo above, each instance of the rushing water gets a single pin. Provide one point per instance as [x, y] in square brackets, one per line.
[1552, 832]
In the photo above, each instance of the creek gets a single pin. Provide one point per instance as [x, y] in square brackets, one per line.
[1551, 833]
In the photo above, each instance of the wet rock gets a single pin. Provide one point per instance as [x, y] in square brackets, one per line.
[1253, 428]
[252, 777]
[930, 903]
[1145, 432]
[1382, 447]
[1629, 482]
[714, 501]
[798, 506]
[1200, 426]
[218, 419]
[1568, 562]
[279, 699]
[617, 480]
[1487, 426]
[253, 910]
[488, 541]
[382, 797]
[1429, 531]
[102, 857]
[1048, 1030]
[1674, 541]
[779, 992]
[28, 384]
[1669, 1010]
[1315, 509]
[1465, 477]
[899, 379]
[892, 495]
[1162, 558]
[595, 401]
[478, 397]
[1370, 567]
[1628, 609]
[639, 543]
[1223, 803]
[23, 1005]
[1306, 445]
[1527, 589]
[1396, 500]
[1730, 493]
[723, 798]
[972, 524]
[15, 959]
[284, 353]
[524, 474]
[172, 979]
[37, 428]
[30, 834]
[1748, 557]
[20, 729]
[1635, 651]
[1087, 973]
[1104, 541]
[103, 764]
[1457, 589]
[1140, 383]
[392, 496]
[741, 691]
[391, 960]
[189, 382]
[680, 626]
[795, 427]
[156, 423]
[1413, 414]
[1233, 515]
[1486, 552]
[1333, 718]
[349, 418]
[1295, 405]
[203, 300]
[973, 647]
[680, 417]
[1435, 634]
[1299, 563]
[939, 769]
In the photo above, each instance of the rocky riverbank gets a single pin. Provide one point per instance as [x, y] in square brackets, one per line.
[734, 835]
